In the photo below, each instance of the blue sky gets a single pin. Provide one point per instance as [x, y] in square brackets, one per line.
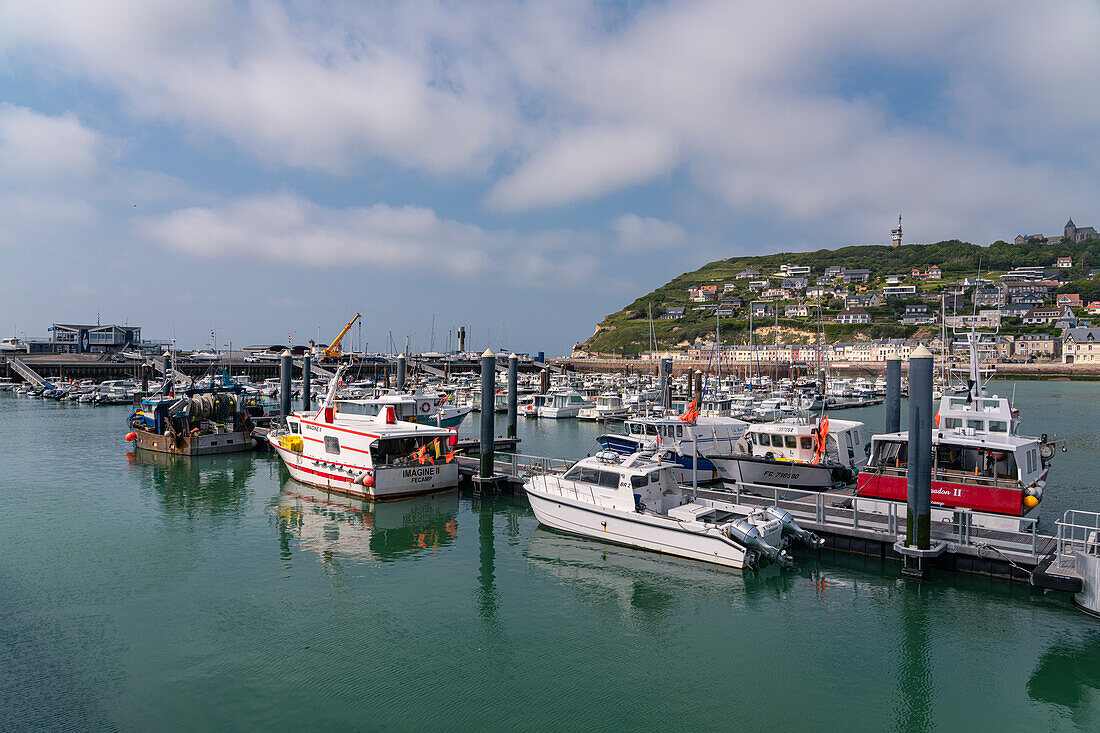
[274, 167]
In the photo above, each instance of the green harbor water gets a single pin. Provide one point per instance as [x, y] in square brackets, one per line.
[141, 593]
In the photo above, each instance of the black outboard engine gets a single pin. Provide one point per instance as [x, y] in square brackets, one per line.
[749, 536]
[791, 528]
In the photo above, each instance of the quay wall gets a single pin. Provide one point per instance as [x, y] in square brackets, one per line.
[1004, 369]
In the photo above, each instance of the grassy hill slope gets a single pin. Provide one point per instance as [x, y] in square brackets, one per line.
[626, 332]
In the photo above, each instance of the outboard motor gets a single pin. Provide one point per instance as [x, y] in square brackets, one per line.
[791, 528]
[749, 536]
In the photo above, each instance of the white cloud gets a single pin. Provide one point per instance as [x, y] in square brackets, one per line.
[586, 164]
[404, 239]
[825, 115]
[644, 233]
[35, 146]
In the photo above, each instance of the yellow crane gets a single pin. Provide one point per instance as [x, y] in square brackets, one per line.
[333, 349]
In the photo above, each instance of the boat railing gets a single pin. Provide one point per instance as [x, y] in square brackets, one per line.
[842, 509]
[1078, 531]
[524, 466]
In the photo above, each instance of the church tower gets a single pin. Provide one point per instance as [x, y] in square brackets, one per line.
[1071, 231]
[895, 234]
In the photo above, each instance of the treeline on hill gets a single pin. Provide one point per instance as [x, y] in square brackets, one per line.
[627, 331]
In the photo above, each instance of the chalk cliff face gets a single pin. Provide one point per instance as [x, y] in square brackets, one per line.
[723, 292]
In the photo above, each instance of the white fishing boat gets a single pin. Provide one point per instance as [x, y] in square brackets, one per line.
[635, 501]
[373, 456]
[796, 453]
[564, 405]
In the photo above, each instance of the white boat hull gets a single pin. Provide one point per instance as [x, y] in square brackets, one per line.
[747, 470]
[634, 529]
[559, 413]
[389, 483]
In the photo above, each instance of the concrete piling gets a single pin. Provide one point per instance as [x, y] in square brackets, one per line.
[401, 370]
[893, 393]
[488, 395]
[699, 388]
[286, 364]
[918, 524]
[513, 393]
[307, 388]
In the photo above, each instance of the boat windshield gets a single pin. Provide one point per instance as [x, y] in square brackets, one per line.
[593, 475]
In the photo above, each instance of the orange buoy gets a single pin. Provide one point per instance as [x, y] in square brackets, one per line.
[131, 436]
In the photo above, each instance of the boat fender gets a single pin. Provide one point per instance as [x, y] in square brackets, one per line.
[131, 436]
[361, 479]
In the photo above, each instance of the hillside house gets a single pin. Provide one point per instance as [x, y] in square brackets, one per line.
[761, 310]
[1065, 263]
[673, 314]
[1023, 273]
[864, 300]
[988, 297]
[1015, 310]
[894, 279]
[1070, 299]
[795, 283]
[757, 284]
[1032, 346]
[899, 291]
[1093, 308]
[819, 292]
[853, 315]
[747, 274]
[794, 271]
[728, 287]
[728, 308]
[855, 276]
[1045, 316]
[833, 271]
[917, 314]
[1005, 346]
[796, 311]
[1079, 345]
[990, 318]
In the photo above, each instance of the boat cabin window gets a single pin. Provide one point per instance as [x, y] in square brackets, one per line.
[294, 428]
[638, 482]
[636, 429]
[950, 423]
[332, 444]
[998, 426]
[777, 441]
[591, 475]
[890, 454]
[791, 441]
[679, 431]
[978, 425]
[807, 442]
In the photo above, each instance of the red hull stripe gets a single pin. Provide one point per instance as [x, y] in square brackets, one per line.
[999, 500]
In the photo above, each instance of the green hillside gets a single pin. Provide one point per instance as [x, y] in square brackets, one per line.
[626, 332]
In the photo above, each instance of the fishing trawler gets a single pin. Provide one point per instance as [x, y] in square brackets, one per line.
[372, 456]
[636, 501]
[980, 461]
[797, 453]
[197, 422]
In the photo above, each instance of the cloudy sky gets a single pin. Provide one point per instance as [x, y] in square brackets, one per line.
[271, 167]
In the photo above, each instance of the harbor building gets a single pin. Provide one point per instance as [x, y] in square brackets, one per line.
[73, 338]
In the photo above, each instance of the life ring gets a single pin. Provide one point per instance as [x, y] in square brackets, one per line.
[426, 407]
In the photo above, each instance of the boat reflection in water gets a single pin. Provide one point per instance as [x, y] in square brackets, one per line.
[333, 525]
[216, 484]
[641, 582]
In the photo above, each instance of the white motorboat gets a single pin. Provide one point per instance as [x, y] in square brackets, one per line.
[635, 501]
[686, 442]
[564, 405]
[373, 456]
[609, 406]
[796, 453]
